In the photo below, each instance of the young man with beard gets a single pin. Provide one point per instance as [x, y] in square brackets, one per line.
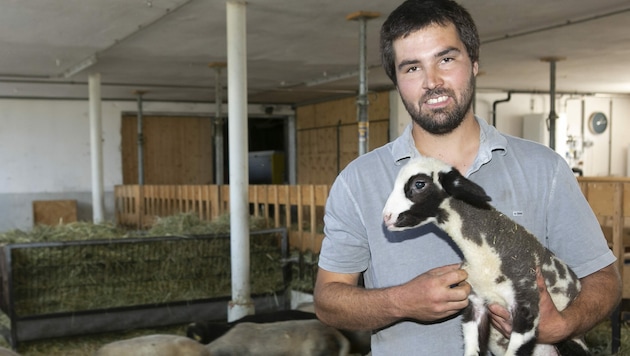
[414, 288]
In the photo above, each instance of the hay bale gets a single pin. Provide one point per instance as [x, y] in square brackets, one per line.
[154, 345]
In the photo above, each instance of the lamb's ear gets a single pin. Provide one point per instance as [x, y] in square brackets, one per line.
[457, 186]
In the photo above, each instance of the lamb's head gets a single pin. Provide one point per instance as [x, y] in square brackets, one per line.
[421, 187]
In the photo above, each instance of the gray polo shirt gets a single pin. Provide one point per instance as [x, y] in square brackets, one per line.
[526, 181]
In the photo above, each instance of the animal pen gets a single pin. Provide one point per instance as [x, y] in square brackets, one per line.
[53, 289]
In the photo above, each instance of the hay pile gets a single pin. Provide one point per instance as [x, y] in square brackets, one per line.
[150, 269]
[599, 340]
[69, 232]
[184, 224]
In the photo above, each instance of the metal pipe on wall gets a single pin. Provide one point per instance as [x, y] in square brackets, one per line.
[610, 120]
[241, 303]
[494, 107]
[96, 148]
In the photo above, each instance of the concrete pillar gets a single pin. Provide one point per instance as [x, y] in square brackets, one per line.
[96, 148]
[241, 303]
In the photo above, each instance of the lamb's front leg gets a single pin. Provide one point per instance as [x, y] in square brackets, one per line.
[525, 318]
[475, 327]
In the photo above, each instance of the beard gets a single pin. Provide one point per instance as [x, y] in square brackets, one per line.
[444, 120]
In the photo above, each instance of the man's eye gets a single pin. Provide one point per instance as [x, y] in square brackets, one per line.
[412, 69]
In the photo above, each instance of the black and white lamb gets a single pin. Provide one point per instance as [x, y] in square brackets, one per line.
[500, 256]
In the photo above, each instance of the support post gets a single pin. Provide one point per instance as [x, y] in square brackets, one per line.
[362, 99]
[219, 154]
[96, 148]
[292, 149]
[139, 94]
[241, 303]
[552, 99]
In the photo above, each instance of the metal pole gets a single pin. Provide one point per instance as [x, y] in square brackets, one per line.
[241, 303]
[96, 148]
[552, 105]
[362, 100]
[292, 149]
[219, 154]
[139, 94]
[552, 99]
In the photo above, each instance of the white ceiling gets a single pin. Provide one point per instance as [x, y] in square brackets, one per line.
[164, 47]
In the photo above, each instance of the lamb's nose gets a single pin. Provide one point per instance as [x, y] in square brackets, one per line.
[387, 217]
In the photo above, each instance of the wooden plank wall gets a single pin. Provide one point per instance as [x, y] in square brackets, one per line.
[327, 136]
[609, 197]
[177, 150]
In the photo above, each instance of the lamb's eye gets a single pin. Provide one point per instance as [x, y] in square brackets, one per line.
[419, 184]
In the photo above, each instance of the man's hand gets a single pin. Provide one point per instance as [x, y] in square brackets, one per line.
[434, 295]
[551, 326]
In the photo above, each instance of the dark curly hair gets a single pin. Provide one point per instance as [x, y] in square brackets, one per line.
[413, 15]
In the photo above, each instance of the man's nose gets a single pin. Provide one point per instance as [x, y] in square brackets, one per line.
[432, 79]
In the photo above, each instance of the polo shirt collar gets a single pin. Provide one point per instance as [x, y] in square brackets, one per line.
[490, 140]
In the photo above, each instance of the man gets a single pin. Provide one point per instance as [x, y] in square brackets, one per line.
[414, 289]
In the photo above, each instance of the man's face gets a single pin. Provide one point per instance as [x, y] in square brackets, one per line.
[435, 77]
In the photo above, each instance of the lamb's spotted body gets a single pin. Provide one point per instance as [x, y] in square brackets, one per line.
[501, 257]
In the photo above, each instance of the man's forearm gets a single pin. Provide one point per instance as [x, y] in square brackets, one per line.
[601, 292]
[354, 308]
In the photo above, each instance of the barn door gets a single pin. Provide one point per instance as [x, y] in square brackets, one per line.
[176, 150]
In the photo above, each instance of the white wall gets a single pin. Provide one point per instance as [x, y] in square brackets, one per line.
[45, 152]
[608, 153]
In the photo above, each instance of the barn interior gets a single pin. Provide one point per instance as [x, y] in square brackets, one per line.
[155, 81]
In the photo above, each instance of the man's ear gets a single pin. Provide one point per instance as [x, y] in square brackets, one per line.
[461, 188]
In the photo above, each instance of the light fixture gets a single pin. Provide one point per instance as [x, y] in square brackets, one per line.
[88, 62]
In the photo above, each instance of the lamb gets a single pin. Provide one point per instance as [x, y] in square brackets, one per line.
[208, 331]
[154, 345]
[281, 338]
[500, 256]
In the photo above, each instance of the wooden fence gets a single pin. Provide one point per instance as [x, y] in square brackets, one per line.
[609, 197]
[299, 208]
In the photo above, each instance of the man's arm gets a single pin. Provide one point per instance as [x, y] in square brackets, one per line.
[600, 294]
[434, 295]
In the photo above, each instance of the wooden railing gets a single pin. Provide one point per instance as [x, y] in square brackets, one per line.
[609, 197]
[299, 208]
